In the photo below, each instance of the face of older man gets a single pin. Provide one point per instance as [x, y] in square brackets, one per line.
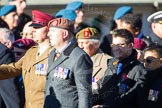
[88, 46]
[27, 31]
[157, 29]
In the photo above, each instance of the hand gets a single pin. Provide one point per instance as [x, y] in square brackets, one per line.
[98, 106]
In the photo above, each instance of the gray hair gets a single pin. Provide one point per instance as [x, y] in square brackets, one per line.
[7, 34]
[94, 41]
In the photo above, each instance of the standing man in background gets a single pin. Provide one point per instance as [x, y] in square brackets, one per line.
[89, 40]
[77, 7]
[23, 18]
[9, 17]
[123, 71]
[156, 24]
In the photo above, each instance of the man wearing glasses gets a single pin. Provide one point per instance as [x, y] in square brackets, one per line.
[150, 93]
[27, 31]
[147, 92]
[123, 70]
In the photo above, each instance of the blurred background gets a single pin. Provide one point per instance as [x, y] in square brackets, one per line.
[104, 9]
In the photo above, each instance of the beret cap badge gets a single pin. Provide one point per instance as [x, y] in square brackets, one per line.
[88, 33]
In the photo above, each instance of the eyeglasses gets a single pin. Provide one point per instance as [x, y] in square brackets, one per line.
[119, 45]
[149, 61]
[25, 34]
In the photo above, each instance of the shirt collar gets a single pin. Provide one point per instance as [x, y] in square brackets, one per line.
[60, 51]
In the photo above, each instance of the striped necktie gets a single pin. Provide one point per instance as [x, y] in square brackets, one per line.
[56, 56]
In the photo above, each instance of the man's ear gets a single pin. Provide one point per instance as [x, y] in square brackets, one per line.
[153, 25]
[3, 17]
[47, 29]
[97, 45]
[65, 34]
[130, 45]
[137, 31]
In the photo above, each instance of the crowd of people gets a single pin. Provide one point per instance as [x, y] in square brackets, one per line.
[59, 61]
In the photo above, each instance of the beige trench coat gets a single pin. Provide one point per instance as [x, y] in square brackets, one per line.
[100, 64]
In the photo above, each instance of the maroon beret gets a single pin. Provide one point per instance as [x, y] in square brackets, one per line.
[139, 44]
[24, 43]
[61, 23]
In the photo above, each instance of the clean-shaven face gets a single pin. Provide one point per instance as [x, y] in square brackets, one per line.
[40, 34]
[55, 36]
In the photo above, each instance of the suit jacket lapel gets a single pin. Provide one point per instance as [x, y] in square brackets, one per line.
[64, 55]
[57, 62]
[97, 63]
[45, 55]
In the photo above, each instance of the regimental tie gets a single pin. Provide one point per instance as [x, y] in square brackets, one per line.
[56, 56]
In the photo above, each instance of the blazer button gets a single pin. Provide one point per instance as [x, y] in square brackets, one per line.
[29, 103]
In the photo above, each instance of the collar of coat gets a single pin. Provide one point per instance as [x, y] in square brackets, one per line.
[129, 60]
[69, 49]
[154, 74]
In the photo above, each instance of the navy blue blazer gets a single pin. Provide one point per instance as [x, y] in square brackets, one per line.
[69, 79]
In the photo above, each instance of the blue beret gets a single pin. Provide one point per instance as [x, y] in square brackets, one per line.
[120, 12]
[6, 9]
[74, 5]
[68, 14]
[12, 0]
[155, 17]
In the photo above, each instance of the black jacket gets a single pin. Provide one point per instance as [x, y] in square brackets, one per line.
[8, 90]
[3, 24]
[155, 39]
[146, 93]
[150, 90]
[113, 85]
